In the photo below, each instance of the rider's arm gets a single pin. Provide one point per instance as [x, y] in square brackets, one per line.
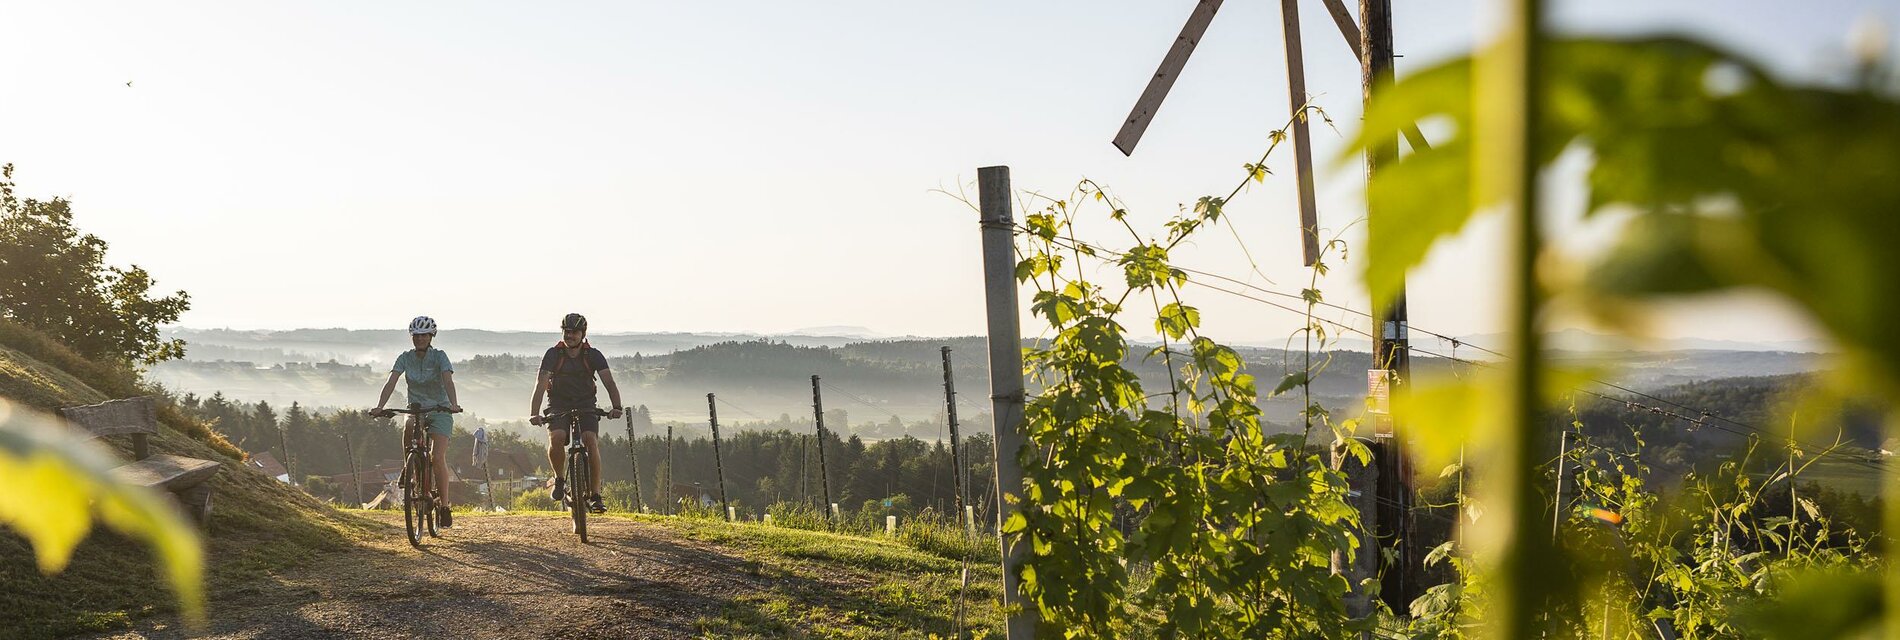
[390, 387]
[613, 390]
[540, 389]
[448, 384]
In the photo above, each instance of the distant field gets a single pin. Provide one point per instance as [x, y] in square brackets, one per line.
[1844, 476]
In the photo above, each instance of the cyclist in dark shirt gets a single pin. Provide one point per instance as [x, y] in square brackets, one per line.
[567, 381]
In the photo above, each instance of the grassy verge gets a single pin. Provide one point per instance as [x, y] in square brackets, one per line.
[845, 586]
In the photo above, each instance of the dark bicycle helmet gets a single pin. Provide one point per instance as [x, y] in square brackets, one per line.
[574, 322]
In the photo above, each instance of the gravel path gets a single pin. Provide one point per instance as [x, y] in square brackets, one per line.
[490, 577]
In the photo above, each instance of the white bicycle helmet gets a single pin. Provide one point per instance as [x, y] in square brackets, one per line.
[422, 325]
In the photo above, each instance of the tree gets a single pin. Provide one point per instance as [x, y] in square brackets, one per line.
[56, 281]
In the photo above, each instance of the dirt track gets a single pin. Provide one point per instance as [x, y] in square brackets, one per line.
[490, 577]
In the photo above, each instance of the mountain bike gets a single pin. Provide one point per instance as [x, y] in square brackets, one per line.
[579, 474]
[418, 478]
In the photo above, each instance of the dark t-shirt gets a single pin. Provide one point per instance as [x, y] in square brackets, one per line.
[573, 383]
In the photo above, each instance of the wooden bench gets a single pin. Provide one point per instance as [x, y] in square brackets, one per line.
[183, 477]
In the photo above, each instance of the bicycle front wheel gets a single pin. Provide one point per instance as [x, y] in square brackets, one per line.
[577, 494]
[411, 501]
[429, 496]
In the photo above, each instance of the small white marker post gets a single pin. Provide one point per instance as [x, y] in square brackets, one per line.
[890, 525]
[768, 519]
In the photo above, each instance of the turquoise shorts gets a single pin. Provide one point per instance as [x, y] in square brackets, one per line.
[441, 424]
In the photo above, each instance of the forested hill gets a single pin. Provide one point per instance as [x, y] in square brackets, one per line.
[370, 346]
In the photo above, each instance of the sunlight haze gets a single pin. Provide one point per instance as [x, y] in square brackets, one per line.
[761, 167]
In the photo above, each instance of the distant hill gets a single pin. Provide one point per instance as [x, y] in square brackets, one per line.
[1580, 340]
[366, 346]
[770, 376]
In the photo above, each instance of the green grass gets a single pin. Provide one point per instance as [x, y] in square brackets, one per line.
[28, 381]
[832, 585]
[1843, 476]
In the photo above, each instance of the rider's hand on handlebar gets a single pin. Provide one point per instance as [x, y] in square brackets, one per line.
[614, 415]
[455, 408]
[536, 420]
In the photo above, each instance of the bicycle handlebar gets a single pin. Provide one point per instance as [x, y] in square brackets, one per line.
[416, 411]
[550, 413]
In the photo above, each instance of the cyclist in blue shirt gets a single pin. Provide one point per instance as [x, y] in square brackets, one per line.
[431, 384]
[567, 381]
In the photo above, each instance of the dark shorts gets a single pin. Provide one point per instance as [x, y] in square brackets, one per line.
[590, 423]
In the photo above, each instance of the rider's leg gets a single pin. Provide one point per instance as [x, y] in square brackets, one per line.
[557, 451]
[426, 480]
[439, 458]
[590, 440]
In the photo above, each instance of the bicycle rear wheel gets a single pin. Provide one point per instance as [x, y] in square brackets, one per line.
[577, 491]
[411, 497]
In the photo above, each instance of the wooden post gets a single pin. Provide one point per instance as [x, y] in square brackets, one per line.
[1557, 500]
[719, 462]
[283, 445]
[1391, 351]
[666, 490]
[1006, 378]
[1794, 500]
[824, 477]
[357, 480]
[633, 455]
[956, 456]
[1157, 89]
[1302, 141]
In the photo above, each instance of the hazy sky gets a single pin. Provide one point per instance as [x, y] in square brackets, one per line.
[726, 166]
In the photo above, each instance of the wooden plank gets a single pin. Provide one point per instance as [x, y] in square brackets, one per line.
[115, 417]
[167, 472]
[1350, 31]
[1347, 27]
[1163, 80]
[1302, 139]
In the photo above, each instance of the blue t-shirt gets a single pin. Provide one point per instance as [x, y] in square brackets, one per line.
[424, 374]
[573, 383]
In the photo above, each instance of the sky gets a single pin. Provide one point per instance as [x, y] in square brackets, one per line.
[731, 166]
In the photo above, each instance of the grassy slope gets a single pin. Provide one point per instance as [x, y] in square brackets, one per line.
[258, 526]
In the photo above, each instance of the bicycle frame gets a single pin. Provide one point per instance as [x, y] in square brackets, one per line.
[419, 494]
[579, 474]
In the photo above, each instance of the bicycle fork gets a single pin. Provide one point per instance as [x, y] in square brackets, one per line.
[577, 465]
